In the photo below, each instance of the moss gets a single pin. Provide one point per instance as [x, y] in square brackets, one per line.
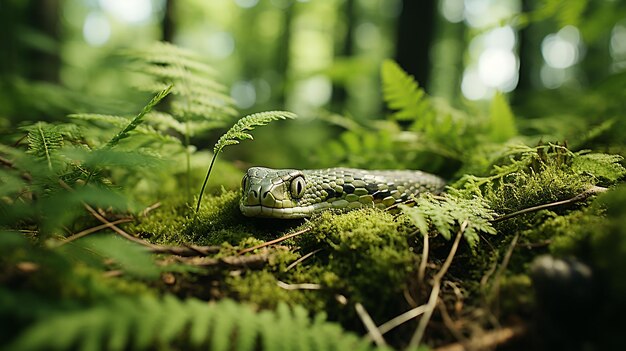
[261, 288]
[218, 221]
[366, 256]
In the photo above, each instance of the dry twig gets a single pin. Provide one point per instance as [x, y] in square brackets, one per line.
[488, 340]
[401, 319]
[580, 197]
[502, 268]
[92, 230]
[275, 241]
[187, 250]
[302, 259]
[250, 261]
[421, 272]
[301, 286]
[369, 324]
[434, 293]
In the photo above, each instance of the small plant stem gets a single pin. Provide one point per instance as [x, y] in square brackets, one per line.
[93, 230]
[434, 293]
[422, 267]
[401, 319]
[206, 179]
[275, 241]
[488, 340]
[505, 262]
[188, 159]
[302, 259]
[580, 197]
[369, 324]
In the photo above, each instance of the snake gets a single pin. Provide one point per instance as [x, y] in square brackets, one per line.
[293, 193]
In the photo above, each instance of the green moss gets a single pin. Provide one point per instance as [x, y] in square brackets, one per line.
[261, 288]
[367, 254]
[218, 221]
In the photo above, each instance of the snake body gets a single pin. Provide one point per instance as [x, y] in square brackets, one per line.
[291, 193]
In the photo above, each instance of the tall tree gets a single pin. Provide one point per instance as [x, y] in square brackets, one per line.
[416, 28]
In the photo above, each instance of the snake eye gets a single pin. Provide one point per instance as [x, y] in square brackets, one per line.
[297, 187]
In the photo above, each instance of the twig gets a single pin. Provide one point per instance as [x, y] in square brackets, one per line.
[434, 293]
[150, 208]
[6, 162]
[272, 242]
[302, 259]
[117, 229]
[421, 272]
[401, 319]
[369, 324]
[301, 286]
[487, 341]
[92, 230]
[502, 268]
[186, 251]
[580, 197]
[251, 261]
[449, 323]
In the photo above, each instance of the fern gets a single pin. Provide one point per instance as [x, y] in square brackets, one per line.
[43, 140]
[401, 92]
[120, 122]
[198, 97]
[446, 214]
[239, 132]
[502, 120]
[134, 123]
[147, 322]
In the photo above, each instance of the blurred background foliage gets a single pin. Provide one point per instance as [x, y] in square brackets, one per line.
[561, 63]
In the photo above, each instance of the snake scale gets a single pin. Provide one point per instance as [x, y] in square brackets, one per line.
[291, 193]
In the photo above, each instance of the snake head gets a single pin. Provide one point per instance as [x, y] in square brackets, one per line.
[272, 193]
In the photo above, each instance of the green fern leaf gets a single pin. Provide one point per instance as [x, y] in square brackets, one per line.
[247, 330]
[401, 92]
[223, 325]
[502, 120]
[132, 125]
[446, 214]
[174, 325]
[43, 140]
[240, 130]
[201, 318]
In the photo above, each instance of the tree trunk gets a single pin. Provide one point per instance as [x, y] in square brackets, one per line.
[414, 38]
[42, 53]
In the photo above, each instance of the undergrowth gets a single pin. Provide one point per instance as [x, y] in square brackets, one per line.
[102, 250]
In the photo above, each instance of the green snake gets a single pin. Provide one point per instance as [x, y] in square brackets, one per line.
[291, 193]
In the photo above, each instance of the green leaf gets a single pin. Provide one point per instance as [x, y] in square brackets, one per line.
[43, 140]
[502, 120]
[135, 122]
[402, 93]
[240, 130]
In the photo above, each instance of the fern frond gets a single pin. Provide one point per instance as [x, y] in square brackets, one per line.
[240, 130]
[402, 93]
[502, 120]
[173, 73]
[147, 322]
[132, 125]
[446, 214]
[164, 53]
[43, 140]
[121, 122]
